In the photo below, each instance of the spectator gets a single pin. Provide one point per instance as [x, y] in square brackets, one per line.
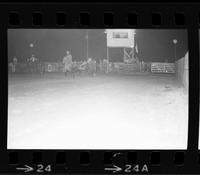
[14, 64]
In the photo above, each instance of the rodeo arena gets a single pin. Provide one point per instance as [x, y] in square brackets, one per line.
[95, 103]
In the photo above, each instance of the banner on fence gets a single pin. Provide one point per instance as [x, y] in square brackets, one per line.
[157, 67]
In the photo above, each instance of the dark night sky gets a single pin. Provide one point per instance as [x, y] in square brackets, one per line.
[51, 44]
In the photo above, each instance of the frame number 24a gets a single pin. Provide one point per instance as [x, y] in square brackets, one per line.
[135, 168]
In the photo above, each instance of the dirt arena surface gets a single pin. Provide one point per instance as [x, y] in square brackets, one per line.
[102, 112]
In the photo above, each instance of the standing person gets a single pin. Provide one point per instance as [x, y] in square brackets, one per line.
[143, 66]
[74, 69]
[95, 67]
[11, 67]
[14, 64]
[91, 67]
[41, 67]
[105, 65]
[33, 63]
[101, 65]
[67, 61]
[83, 66]
[28, 63]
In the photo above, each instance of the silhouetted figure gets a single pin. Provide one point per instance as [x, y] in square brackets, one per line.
[91, 67]
[32, 64]
[14, 65]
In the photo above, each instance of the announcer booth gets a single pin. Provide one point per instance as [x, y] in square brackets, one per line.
[123, 38]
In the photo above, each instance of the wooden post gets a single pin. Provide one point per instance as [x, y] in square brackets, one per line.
[87, 37]
[133, 53]
[124, 53]
[108, 59]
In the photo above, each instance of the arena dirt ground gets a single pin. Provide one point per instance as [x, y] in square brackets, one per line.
[102, 112]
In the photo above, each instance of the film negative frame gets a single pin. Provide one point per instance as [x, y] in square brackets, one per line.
[103, 15]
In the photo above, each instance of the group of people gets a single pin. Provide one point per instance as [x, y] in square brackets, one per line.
[73, 68]
[32, 65]
[13, 64]
[70, 67]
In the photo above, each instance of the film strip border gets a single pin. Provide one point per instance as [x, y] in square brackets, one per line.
[100, 15]
[118, 161]
[86, 18]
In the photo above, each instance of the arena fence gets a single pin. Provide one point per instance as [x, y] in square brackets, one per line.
[126, 68]
[118, 67]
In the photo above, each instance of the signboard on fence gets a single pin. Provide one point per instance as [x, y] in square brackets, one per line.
[52, 66]
[157, 67]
